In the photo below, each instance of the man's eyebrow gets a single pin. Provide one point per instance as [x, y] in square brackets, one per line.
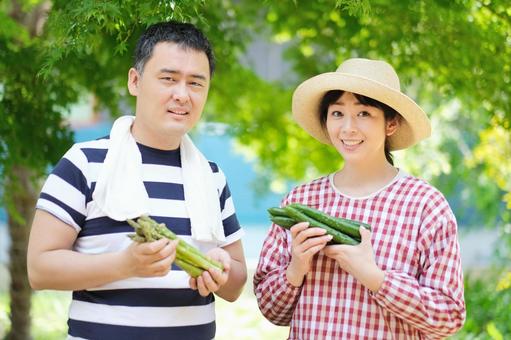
[168, 70]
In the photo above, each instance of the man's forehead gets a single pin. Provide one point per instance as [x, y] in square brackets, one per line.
[172, 57]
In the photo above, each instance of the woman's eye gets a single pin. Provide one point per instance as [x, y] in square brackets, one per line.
[337, 113]
[364, 114]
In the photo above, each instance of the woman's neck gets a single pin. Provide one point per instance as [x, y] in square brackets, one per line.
[357, 181]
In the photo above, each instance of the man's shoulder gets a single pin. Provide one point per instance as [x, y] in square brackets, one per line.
[99, 143]
[88, 151]
[214, 167]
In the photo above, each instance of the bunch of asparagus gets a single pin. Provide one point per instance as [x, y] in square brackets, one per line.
[343, 231]
[188, 258]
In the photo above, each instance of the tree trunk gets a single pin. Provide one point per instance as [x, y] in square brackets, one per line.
[20, 197]
[20, 193]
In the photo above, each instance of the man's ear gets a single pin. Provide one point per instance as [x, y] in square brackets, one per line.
[133, 80]
[391, 126]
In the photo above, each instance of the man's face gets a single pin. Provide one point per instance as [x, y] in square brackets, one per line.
[171, 94]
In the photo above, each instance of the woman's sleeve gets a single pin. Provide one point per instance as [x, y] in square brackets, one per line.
[433, 301]
[276, 297]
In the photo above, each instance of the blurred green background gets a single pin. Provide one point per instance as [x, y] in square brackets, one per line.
[453, 57]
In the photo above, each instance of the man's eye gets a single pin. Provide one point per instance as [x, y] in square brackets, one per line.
[167, 78]
[196, 84]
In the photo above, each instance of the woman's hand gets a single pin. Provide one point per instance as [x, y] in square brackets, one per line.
[358, 260]
[306, 243]
[213, 279]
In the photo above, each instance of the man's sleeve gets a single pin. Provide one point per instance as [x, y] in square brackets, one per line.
[66, 191]
[232, 228]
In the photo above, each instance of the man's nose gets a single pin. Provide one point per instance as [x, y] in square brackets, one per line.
[180, 92]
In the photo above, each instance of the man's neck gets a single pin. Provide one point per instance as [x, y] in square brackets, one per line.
[155, 140]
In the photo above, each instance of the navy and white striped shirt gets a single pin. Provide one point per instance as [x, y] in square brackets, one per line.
[134, 308]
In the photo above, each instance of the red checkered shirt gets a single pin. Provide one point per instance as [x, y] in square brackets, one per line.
[414, 237]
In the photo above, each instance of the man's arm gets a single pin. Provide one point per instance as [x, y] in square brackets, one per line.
[52, 264]
[229, 283]
[232, 289]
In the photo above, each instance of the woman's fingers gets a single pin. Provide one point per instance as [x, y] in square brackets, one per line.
[313, 242]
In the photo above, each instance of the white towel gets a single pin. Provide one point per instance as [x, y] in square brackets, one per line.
[120, 191]
[201, 194]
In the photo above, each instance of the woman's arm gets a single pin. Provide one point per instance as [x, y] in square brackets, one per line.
[433, 302]
[276, 296]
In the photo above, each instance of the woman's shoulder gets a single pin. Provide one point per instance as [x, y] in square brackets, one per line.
[423, 195]
[305, 191]
[418, 187]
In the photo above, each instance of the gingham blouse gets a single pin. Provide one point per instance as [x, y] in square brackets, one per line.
[414, 237]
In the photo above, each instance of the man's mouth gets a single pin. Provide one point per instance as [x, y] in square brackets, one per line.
[179, 112]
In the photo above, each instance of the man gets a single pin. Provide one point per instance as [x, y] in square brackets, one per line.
[123, 289]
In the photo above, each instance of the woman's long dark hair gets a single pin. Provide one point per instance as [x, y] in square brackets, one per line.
[333, 95]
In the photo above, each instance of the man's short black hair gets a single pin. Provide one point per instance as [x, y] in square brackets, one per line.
[184, 34]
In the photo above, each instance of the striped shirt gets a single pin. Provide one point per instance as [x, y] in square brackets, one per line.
[134, 308]
[414, 237]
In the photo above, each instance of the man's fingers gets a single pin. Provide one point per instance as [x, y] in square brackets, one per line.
[153, 247]
[224, 259]
[161, 267]
[210, 284]
[203, 291]
[220, 277]
[193, 283]
[168, 250]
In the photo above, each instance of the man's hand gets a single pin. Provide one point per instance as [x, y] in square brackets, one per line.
[306, 243]
[213, 279]
[151, 258]
[358, 261]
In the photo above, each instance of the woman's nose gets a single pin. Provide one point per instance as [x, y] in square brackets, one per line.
[348, 125]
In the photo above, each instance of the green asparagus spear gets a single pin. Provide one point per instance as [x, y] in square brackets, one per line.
[188, 258]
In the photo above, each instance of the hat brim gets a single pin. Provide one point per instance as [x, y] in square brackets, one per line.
[308, 95]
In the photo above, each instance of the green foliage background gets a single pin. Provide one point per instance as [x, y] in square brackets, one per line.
[453, 57]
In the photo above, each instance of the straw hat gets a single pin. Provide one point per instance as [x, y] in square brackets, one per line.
[372, 78]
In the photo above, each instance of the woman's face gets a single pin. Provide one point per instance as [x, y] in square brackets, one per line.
[358, 131]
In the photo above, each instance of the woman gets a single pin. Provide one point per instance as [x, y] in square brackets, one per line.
[404, 280]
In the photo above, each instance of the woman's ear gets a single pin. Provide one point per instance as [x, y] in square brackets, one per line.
[391, 126]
